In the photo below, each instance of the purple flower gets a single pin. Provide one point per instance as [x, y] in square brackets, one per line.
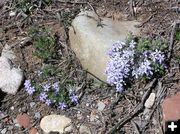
[116, 48]
[30, 90]
[74, 99]
[46, 87]
[43, 96]
[27, 83]
[56, 87]
[144, 69]
[157, 56]
[132, 44]
[119, 87]
[28, 87]
[48, 102]
[62, 105]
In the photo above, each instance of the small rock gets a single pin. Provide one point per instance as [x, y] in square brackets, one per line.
[93, 115]
[2, 115]
[17, 125]
[4, 131]
[56, 123]
[37, 115]
[79, 116]
[12, 108]
[150, 101]
[101, 106]
[171, 109]
[23, 110]
[33, 131]
[87, 104]
[10, 127]
[7, 52]
[23, 120]
[84, 130]
[32, 104]
[11, 13]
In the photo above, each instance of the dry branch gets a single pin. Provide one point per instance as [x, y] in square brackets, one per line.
[136, 111]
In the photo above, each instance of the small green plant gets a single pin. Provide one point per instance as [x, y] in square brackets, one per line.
[44, 43]
[25, 5]
[28, 6]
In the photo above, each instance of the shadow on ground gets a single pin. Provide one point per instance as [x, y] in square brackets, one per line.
[2, 95]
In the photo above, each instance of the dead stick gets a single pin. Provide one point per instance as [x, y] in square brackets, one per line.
[172, 39]
[144, 22]
[138, 108]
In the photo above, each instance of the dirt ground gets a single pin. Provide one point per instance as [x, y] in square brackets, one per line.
[124, 113]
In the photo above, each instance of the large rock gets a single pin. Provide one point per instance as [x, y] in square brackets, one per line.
[10, 77]
[90, 42]
[55, 123]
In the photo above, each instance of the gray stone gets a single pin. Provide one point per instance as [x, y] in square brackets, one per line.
[4, 131]
[84, 130]
[101, 106]
[1, 126]
[11, 78]
[90, 42]
[10, 127]
[32, 104]
[37, 115]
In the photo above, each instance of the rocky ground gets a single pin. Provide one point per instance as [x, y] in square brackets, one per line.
[100, 109]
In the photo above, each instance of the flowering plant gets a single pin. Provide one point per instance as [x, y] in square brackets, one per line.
[134, 60]
[52, 93]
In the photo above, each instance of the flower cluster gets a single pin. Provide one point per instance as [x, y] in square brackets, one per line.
[28, 87]
[52, 94]
[125, 62]
[119, 66]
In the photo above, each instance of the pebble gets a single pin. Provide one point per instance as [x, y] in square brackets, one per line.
[23, 120]
[87, 104]
[10, 127]
[33, 131]
[32, 104]
[12, 13]
[101, 106]
[150, 101]
[2, 115]
[79, 116]
[12, 108]
[4, 131]
[84, 130]
[37, 115]
[17, 125]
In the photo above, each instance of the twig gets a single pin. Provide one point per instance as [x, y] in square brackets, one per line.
[160, 94]
[172, 39]
[144, 22]
[131, 6]
[97, 77]
[134, 112]
[99, 18]
[71, 2]
[135, 127]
